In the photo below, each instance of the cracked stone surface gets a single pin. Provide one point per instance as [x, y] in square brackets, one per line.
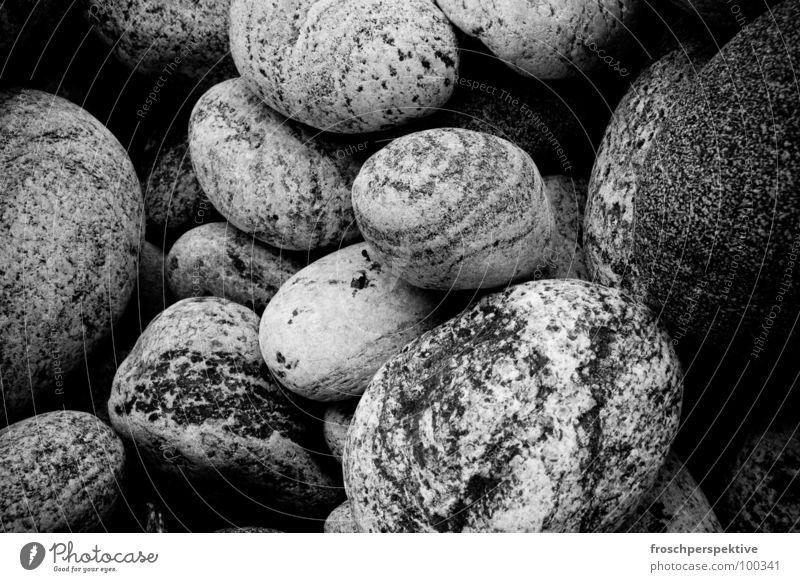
[348, 66]
[550, 406]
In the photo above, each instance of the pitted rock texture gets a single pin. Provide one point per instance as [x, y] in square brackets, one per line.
[531, 116]
[674, 504]
[219, 260]
[567, 198]
[59, 472]
[197, 400]
[333, 324]
[341, 520]
[550, 406]
[70, 210]
[719, 265]
[183, 38]
[455, 209]
[280, 181]
[350, 66]
[174, 202]
[609, 227]
[337, 420]
[725, 14]
[549, 39]
[763, 493]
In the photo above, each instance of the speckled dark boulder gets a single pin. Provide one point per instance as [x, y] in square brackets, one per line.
[174, 202]
[341, 520]
[332, 325]
[630, 134]
[280, 181]
[59, 471]
[349, 66]
[567, 198]
[196, 398]
[220, 260]
[763, 493]
[337, 420]
[70, 212]
[454, 209]
[674, 504]
[548, 407]
[549, 39]
[187, 39]
[715, 240]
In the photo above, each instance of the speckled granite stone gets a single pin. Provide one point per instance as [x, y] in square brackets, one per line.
[278, 180]
[173, 199]
[348, 66]
[550, 406]
[248, 530]
[190, 36]
[613, 185]
[674, 504]
[218, 259]
[567, 198]
[333, 324]
[336, 423]
[716, 217]
[197, 400]
[70, 215]
[545, 38]
[454, 208]
[59, 471]
[763, 494]
[341, 520]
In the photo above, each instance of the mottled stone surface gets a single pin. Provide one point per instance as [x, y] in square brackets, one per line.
[567, 198]
[269, 177]
[333, 324]
[196, 398]
[609, 226]
[763, 493]
[341, 520]
[550, 406]
[337, 420]
[346, 66]
[248, 530]
[674, 504]
[548, 38]
[70, 210]
[454, 208]
[220, 260]
[716, 236]
[59, 471]
[173, 199]
[189, 36]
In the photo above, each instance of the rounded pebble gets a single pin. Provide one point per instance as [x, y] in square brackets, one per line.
[280, 181]
[341, 520]
[219, 260]
[550, 406]
[454, 209]
[59, 472]
[70, 214]
[350, 66]
[337, 420]
[197, 400]
[332, 325]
